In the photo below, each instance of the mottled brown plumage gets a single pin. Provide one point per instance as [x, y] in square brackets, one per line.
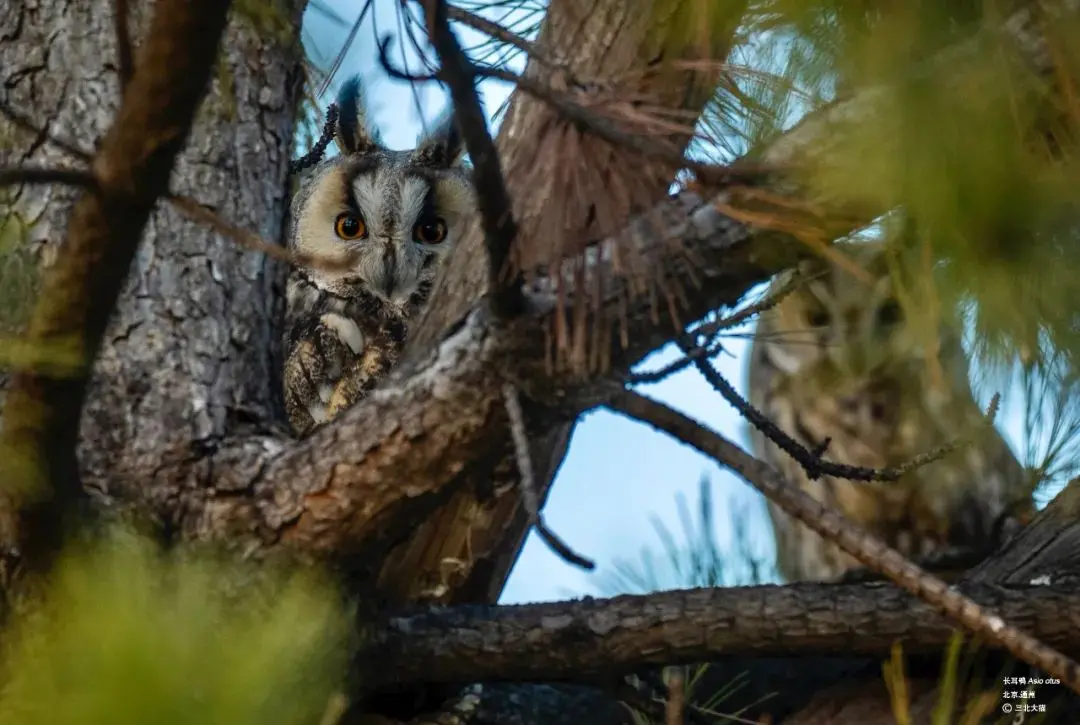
[391, 216]
[838, 359]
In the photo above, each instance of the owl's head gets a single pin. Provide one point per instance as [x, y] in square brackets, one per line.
[393, 214]
[850, 325]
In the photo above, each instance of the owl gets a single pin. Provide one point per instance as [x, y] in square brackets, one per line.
[387, 218]
[838, 360]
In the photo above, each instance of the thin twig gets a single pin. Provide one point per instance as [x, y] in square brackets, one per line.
[676, 696]
[811, 460]
[318, 150]
[655, 376]
[710, 348]
[493, 29]
[43, 175]
[493, 200]
[735, 319]
[340, 57]
[940, 563]
[124, 63]
[529, 497]
[707, 174]
[848, 537]
[195, 211]
[188, 206]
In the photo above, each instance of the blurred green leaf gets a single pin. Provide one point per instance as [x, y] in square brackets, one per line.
[126, 634]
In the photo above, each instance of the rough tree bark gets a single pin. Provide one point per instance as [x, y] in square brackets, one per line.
[192, 353]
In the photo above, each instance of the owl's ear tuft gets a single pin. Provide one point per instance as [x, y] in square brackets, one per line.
[354, 133]
[443, 147]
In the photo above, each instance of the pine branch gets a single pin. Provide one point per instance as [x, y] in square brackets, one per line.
[849, 538]
[590, 640]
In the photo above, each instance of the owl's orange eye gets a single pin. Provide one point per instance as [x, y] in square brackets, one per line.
[430, 232]
[350, 227]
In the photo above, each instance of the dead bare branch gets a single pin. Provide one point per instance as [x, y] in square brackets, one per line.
[195, 211]
[186, 205]
[848, 537]
[36, 175]
[608, 129]
[492, 198]
[586, 640]
[528, 483]
[317, 151]
[812, 461]
[500, 33]
[712, 175]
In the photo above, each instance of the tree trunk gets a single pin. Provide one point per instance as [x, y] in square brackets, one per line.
[192, 355]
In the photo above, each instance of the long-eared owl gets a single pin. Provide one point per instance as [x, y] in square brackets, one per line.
[839, 359]
[388, 218]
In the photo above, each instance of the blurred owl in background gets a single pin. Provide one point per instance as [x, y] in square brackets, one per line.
[391, 216]
[837, 360]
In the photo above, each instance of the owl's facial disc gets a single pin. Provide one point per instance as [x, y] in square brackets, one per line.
[405, 229]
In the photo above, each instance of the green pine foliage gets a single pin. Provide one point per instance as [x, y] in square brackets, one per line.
[124, 634]
[977, 152]
[697, 561]
[967, 165]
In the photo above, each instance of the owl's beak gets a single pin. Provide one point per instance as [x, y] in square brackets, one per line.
[387, 272]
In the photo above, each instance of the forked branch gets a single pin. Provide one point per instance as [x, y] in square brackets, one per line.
[847, 536]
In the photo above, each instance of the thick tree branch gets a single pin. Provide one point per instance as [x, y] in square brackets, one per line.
[79, 293]
[592, 639]
[367, 478]
[407, 442]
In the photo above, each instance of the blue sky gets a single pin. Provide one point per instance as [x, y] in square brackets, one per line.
[619, 476]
